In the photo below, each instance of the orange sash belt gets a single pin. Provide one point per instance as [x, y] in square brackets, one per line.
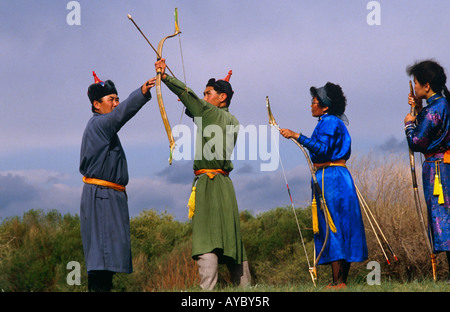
[340, 162]
[211, 173]
[446, 156]
[104, 183]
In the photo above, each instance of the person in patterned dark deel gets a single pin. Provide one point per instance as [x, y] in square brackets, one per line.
[429, 133]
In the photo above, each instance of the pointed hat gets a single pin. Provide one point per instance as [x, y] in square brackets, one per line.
[99, 89]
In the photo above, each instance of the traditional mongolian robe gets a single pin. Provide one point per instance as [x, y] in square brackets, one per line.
[104, 216]
[331, 142]
[431, 136]
[216, 222]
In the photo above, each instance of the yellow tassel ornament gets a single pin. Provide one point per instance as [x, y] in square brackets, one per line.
[437, 190]
[191, 203]
[315, 220]
[436, 185]
[441, 200]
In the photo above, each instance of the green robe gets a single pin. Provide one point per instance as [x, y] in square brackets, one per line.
[216, 222]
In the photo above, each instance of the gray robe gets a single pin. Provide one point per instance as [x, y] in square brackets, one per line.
[104, 217]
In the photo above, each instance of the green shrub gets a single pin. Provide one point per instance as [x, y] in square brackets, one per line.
[274, 246]
[36, 249]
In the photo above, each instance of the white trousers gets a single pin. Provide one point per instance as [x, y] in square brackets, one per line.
[208, 265]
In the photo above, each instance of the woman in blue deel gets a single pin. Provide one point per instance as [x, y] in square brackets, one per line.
[329, 148]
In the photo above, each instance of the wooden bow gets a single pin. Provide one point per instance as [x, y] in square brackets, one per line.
[417, 204]
[162, 109]
[158, 88]
[316, 189]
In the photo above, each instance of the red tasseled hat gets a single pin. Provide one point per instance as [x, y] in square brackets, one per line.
[96, 79]
[99, 89]
[223, 85]
[227, 78]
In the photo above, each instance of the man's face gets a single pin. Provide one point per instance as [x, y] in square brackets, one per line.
[106, 104]
[211, 96]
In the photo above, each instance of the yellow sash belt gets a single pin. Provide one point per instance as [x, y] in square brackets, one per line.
[315, 219]
[211, 173]
[104, 183]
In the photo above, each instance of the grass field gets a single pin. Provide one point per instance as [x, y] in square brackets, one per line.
[415, 286]
[385, 286]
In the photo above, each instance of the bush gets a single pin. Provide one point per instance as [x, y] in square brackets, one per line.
[274, 246]
[161, 254]
[35, 248]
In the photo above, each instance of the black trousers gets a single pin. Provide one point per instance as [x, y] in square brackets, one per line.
[100, 281]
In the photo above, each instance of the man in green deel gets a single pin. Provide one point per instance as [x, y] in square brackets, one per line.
[216, 237]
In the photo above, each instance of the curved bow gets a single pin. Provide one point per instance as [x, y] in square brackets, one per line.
[158, 80]
[417, 204]
[158, 88]
[316, 189]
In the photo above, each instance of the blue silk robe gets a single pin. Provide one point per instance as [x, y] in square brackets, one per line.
[104, 216]
[331, 141]
[431, 136]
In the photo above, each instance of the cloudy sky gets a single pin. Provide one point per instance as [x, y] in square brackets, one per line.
[275, 48]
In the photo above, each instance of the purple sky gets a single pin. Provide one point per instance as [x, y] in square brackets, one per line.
[275, 48]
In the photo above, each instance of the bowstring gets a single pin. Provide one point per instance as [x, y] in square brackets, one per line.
[184, 74]
[290, 197]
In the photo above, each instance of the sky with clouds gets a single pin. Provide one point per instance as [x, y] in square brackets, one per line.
[275, 48]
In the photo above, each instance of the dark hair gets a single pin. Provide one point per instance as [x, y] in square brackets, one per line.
[336, 97]
[222, 86]
[431, 72]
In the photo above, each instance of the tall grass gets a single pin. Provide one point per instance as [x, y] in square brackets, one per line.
[387, 187]
[161, 254]
[36, 247]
